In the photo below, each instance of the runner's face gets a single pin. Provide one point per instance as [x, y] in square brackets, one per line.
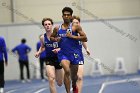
[76, 22]
[67, 17]
[48, 25]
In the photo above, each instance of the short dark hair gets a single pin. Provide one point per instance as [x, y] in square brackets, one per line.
[23, 40]
[67, 9]
[76, 17]
[45, 19]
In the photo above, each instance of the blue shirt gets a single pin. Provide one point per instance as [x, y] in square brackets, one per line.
[49, 46]
[3, 52]
[22, 51]
[80, 45]
[68, 45]
[43, 54]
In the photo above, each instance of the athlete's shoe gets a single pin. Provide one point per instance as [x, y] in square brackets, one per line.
[75, 89]
[22, 81]
[1, 90]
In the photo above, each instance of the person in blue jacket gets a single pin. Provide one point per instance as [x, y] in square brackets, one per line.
[42, 58]
[3, 59]
[22, 51]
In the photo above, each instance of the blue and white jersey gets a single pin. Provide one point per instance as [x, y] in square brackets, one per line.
[81, 53]
[70, 48]
[67, 44]
[80, 45]
[49, 46]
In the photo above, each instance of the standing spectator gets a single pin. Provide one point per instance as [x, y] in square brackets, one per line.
[42, 58]
[3, 58]
[22, 51]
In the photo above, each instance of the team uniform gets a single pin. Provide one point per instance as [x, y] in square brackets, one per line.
[69, 47]
[51, 57]
[81, 62]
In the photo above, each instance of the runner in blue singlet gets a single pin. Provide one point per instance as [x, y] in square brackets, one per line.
[68, 36]
[53, 68]
[76, 21]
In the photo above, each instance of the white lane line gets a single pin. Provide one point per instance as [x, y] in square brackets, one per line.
[102, 88]
[11, 91]
[40, 90]
[118, 81]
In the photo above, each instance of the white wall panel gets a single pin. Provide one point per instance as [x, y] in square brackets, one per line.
[105, 43]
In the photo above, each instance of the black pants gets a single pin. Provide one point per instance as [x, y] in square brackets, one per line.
[21, 65]
[42, 61]
[2, 74]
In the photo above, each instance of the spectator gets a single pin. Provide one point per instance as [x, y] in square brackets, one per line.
[22, 51]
